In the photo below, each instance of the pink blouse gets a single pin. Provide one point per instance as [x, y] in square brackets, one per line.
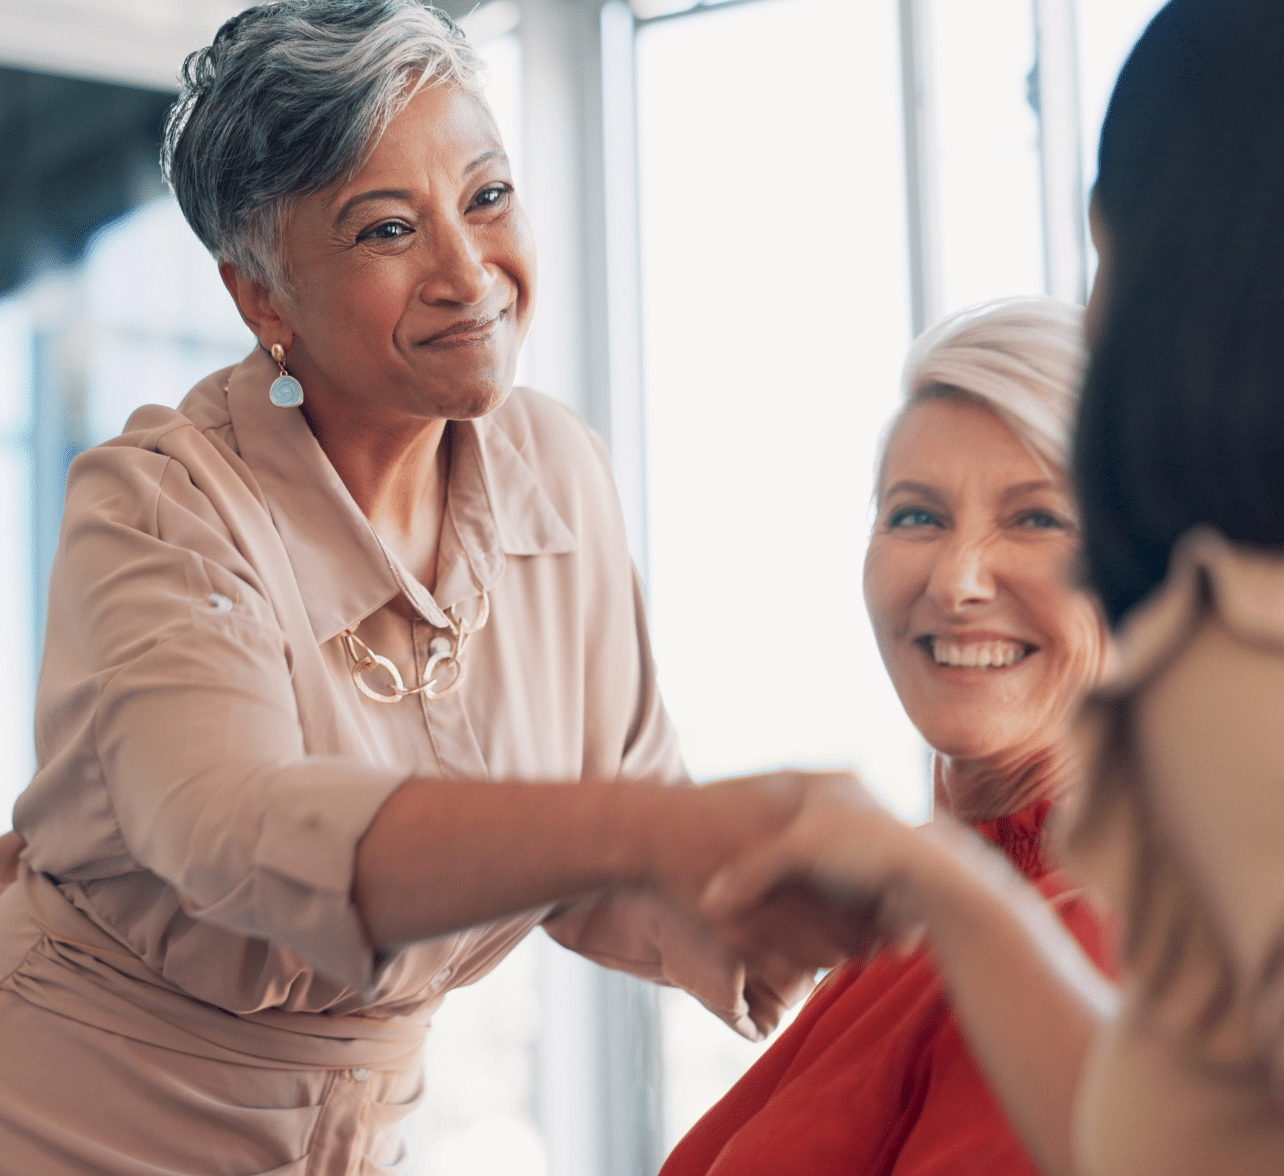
[1182, 825]
[207, 764]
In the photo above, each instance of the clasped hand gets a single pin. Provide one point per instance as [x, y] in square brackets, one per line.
[833, 879]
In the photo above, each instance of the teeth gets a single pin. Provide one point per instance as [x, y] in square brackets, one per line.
[980, 655]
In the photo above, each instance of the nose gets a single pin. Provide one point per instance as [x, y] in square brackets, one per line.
[456, 269]
[963, 573]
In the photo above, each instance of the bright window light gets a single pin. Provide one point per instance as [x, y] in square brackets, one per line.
[17, 687]
[987, 134]
[775, 319]
[1108, 29]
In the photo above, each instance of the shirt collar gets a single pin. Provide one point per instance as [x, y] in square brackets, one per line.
[495, 507]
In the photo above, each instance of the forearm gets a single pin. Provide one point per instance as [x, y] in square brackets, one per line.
[443, 855]
[1026, 996]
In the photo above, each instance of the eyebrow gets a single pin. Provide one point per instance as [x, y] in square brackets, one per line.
[405, 193]
[920, 488]
[364, 197]
[923, 490]
[1023, 488]
[486, 157]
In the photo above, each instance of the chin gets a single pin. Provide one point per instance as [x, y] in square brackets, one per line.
[966, 749]
[468, 404]
[965, 741]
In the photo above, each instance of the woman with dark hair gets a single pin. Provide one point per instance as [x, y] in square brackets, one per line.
[1180, 470]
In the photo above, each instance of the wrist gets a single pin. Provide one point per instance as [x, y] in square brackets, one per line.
[656, 823]
[686, 834]
[962, 876]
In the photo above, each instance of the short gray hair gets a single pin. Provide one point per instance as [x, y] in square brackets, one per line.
[1021, 358]
[289, 98]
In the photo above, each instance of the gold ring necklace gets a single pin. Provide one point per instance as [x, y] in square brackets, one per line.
[441, 655]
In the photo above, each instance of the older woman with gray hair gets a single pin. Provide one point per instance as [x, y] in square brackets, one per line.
[313, 639]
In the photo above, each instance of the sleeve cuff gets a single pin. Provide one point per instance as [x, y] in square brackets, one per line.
[317, 810]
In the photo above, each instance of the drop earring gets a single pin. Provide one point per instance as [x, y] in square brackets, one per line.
[286, 391]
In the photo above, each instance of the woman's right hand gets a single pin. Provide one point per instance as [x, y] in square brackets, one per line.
[844, 868]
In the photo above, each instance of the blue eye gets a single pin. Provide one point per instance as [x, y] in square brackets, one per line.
[911, 516]
[1042, 520]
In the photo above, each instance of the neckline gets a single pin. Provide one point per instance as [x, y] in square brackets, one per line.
[1023, 837]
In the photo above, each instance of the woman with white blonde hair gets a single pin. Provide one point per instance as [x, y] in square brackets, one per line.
[1179, 470]
[990, 645]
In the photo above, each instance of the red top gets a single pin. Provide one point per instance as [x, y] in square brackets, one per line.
[873, 1077]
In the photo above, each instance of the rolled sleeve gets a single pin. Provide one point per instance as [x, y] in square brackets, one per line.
[203, 761]
[170, 740]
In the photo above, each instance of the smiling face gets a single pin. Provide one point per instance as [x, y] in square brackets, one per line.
[967, 582]
[413, 283]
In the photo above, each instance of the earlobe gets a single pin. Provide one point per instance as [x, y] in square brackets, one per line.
[258, 307]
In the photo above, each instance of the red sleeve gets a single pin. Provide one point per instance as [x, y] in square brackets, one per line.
[700, 1147]
[961, 1130]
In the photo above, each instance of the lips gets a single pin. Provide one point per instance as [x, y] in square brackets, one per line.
[466, 332]
[975, 654]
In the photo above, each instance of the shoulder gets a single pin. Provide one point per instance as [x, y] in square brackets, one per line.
[532, 437]
[167, 477]
[1184, 748]
[1200, 669]
[1212, 584]
[548, 434]
[1192, 692]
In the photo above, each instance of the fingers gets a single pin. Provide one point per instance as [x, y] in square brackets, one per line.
[765, 1007]
[745, 882]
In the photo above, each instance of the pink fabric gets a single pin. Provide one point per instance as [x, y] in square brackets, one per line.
[1182, 826]
[207, 767]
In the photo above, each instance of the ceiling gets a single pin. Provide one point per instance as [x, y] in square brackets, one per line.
[134, 42]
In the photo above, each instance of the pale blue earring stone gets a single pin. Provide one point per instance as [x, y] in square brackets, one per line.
[286, 392]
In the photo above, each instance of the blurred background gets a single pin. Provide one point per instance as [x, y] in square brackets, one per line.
[745, 211]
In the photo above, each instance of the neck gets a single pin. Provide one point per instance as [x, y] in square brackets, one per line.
[994, 786]
[397, 477]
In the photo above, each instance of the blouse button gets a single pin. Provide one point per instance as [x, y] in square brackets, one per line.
[360, 1074]
[442, 976]
[220, 603]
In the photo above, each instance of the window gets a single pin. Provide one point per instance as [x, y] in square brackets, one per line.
[775, 311]
[784, 258]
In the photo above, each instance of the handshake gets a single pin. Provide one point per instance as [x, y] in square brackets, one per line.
[775, 876]
[791, 872]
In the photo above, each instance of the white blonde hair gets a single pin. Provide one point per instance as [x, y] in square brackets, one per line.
[1021, 358]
